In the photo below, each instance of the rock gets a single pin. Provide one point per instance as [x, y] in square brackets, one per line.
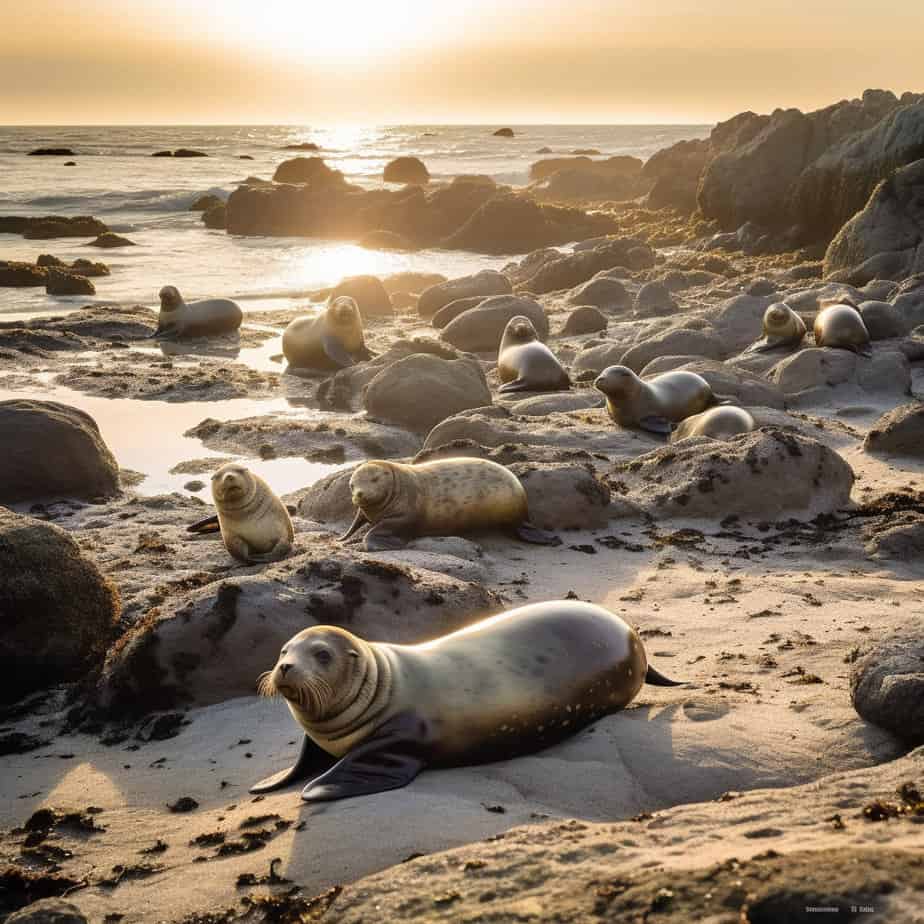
[602, 292]
[162, 154]
[654, 300]
[369, 294]
[908, 300]
[245, 157]
[887, 684]
[109, 239]
[413, 282]
[882, 320]
[483, 284]
[595, 357]
[52, 152]
[406, 170]
[420, 390]
[814, 367]
[503, 133]
[451, 311]
[302, 146]
[739, 321]
[542, 405]
[900, 432]
[53, 226]
[582, 178]
[678, 342]
[903, 541]
[544, 150]
[623, 166]
[58, 611]
[179, 656]
[52, 450]
[62, 283]
[585, 319]
[886, 372]
[186, 152]
[768, 473]
[479, 329]
[206, 202]
[554, 271]
[21, 275]
[563, 496]
[216, 218]
[328, 501]
[674, 174]
[308, 170]
[48, 911]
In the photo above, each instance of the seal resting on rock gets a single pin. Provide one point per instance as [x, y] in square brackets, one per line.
[782, 327]
[332, 339]
[376, 714]
[653, 404]
[196, 319]
[718, 423]
[842, 326]
[525, 363]
[446, 497]
[255, 525]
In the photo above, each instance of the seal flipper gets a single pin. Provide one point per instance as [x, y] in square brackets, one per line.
[656, 424]
[864, 349]
[657, 679]
[514, 386]
[208, 525]
[335, 352]
[364, 353]
[359, 521]
[536, 536]
[310, 758]
[389, 759]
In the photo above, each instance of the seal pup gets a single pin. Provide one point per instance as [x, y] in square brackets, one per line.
[782, 327]
[332, 339]
[255, 525]
[446, 497]
[653, 404]
[525, 363]
[842, 326]
[196, 319]
[375, 714]
[718, 423]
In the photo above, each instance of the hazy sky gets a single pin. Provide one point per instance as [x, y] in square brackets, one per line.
[487, 61]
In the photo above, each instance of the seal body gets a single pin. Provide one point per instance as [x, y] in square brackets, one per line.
[196, 319]
[525, 363]
[255, 525]
[656, 403]
[782, 327]
[505, 686]
[842, 326]
[332, 339]
[718, 423]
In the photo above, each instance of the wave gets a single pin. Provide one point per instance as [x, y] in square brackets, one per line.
[143, 200]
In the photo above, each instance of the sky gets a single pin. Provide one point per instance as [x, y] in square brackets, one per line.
[328, 62]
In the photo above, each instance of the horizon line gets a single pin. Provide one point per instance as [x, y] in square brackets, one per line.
[340, 125]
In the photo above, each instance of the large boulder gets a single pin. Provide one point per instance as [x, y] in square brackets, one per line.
[887, 371]
[479, 329]
[674, 174]
[369, 294]
[483, 284]
[420, 390]
[406, 170]
[15, 274]
[552, 271]
[596, 356]
[677, 342]
[564, 495]
[52, 450]
[57, 611]
[900, 432]
[585, 319]
[887, 684]
[59, 282]
[739, 321]
[653, 300]
[307, 170]
[601, 291]
[624, 166]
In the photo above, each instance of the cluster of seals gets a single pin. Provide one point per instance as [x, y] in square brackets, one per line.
[653, 404]
[842, 326]
[255, 525]
[375, 714]
[332, 339]
[446, 497]
[196, 319]
[718, 423]
[782, 327]
[525, 363]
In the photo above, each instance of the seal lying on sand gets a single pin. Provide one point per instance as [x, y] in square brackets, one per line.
[842, 326]
[332, 339]
[782, 327]
[196, 319]
[718, 423]
[525, 363]
[653, 404]
[447, 497]
[376, 714]
[254, 523]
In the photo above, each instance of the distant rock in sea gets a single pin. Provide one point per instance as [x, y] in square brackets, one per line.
[51, 226]
[302, 146]
[52, 152]
[586, 151]
[180, 152]
[215, 218]
[70, 163]
[504, 133]
[244, 157]
[61, 282]
[108, 240]
[544, 151]
[204, 203]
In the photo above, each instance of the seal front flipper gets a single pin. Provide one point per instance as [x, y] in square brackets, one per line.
[335, 352]
[386, 760]
[364, 353]
[359, 521]
[536, 536]
[311, 758]
[208, 525]
[655, 424]
[514, 386]
[657, 679]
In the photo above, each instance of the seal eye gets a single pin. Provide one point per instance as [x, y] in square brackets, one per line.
[323, 657]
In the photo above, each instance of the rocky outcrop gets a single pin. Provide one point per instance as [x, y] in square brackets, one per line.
[900, 432]
[503, 133]
[673, 175]
[585, 319]
[109, 239]
[560, 178]
[14, 274]
[308, 170]
[563, 495]
[479, 329]
[205, 202]
[59, 282]
[57, 611]
[887, 371]
[406, 170]
[51, 226]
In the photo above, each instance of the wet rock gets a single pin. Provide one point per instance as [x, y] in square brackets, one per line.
[206, 202]
[21, 275]
[52, 152]
[585, 319]
[564, 496]
[503, 133]
[680, 342]
[63, 283]
[52, 450]
[406, 170]
[52, 226]
[481, 284]
[216, 218]
[369, 294]
[328, 500]
[479, 329]
[187, 152]
[900, 432]
[58, 612]
[109, 240]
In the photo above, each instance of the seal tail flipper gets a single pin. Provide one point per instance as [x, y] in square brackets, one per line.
[536, 536]
[358, 522]
[386, 760]
[657, 679]
[656, 424]
[311, 758]
[514, 386]
[208, 525]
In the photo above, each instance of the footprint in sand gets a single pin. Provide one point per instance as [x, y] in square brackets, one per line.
[705, 712]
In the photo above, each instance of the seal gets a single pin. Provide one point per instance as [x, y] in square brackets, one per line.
[718, 423]
[525, 363]
[842, 326]
[445, 497]
[332, 339]
[653, 404]
[782, 327]
[196, 319]
[254, 523]
[375, 714]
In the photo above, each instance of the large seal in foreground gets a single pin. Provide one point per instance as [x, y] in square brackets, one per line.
[505, 686]
[842, 326]
[653, 404]
[782, 327]
[525, 363]
[332, 339]
[718, 423]
[446, 497]
[196, 319]
[254, 523]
